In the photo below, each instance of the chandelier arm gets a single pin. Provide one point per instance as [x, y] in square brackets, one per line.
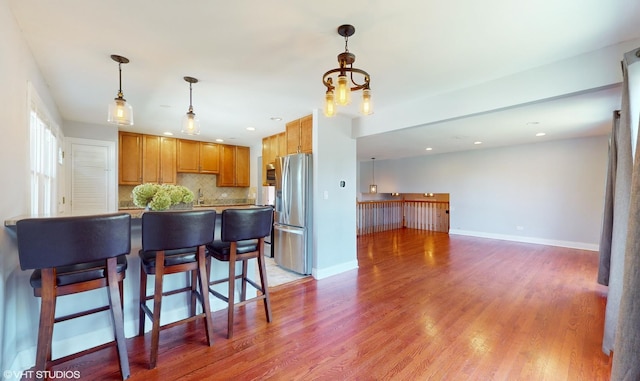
[329, 84]
[365, 85]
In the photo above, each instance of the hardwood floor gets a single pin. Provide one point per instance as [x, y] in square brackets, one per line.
[421, 306]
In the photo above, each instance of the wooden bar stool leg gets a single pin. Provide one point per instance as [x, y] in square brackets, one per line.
[143, 299]
[157, 303]
[232, 291]
[117, 317]
[194, 287]
[265, 287]
[243, 290]
[47, 317]
[204, 291]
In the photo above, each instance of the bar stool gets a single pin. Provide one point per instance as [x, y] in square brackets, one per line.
[242, 238]
[70, 255]
[174, 242]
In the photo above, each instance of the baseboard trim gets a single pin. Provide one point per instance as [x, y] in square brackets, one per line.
[539, 241]
[334, 270]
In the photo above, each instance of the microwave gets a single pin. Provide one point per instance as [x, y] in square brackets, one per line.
[271, 175]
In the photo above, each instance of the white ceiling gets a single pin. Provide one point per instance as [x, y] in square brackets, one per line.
[261, 59]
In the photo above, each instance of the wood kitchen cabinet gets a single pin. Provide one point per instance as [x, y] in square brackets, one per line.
[158, 159]
[198, 157]
[129, 158]
[273, 147]
[234, 166]
[299, 135]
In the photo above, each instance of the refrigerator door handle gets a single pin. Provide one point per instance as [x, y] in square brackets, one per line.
[288, 229]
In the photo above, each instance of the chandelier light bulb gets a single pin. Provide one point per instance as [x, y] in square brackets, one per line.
[344, 91]
[366, 106]
[329, 104]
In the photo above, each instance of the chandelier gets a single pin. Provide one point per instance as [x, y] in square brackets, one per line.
[190, 124]
[346, 81]
[120, 112]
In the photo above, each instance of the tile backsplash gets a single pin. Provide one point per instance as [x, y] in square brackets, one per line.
[206, 183]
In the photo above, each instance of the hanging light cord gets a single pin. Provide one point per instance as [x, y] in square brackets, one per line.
[190, 98]
[120, 95]
[373, 169]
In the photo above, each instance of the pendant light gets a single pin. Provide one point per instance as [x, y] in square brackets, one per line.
[346, 83]
[120, 112]
[373, 188]
[190, 124]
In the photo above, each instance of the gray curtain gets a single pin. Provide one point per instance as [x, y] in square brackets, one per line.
[616, 216]
[626, 359]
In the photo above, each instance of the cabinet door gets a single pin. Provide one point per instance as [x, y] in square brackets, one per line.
[129, 158]
[209, 158]
[226, 177]
[293, 137]
[282, 144]
[188, 153]
[150, 159]
[273, 148]
[242, 166]
[306, 134]
[168, 160]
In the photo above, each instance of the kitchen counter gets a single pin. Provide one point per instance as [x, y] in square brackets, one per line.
[92, 330]
[136, 213]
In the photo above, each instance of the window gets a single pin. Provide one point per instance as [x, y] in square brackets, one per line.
[45, 152]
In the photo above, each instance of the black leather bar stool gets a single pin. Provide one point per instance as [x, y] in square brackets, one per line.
[174, 242]
[71, 255]
[242, 238]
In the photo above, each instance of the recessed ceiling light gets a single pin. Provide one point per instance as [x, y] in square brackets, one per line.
[219, 140]
[477, 142]
[168, 133]
[251, 128]
[540, 134]
[428, 149]
[276, 118]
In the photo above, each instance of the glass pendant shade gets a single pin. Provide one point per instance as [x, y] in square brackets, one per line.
[329, 104]
[344, 91]
[366, 108]
[120, 113]
[373, 188]
[190, 124]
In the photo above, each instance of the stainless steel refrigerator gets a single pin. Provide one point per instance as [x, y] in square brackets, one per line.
[292, 241]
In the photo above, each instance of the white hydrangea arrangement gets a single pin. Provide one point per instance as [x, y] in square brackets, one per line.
[160, 197]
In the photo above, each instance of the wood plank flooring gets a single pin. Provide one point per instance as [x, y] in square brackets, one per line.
[421, 306]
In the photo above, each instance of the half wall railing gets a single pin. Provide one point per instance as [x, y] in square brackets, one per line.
[377, 216]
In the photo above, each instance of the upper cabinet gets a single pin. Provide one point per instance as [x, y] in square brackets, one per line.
[234, 168]
[158, 159]
[129, 158]
[299, 135]
[274, 146]
[198, 157]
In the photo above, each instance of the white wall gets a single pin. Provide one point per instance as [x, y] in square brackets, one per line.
[554, 190]
[334, 207]
[17, 67]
